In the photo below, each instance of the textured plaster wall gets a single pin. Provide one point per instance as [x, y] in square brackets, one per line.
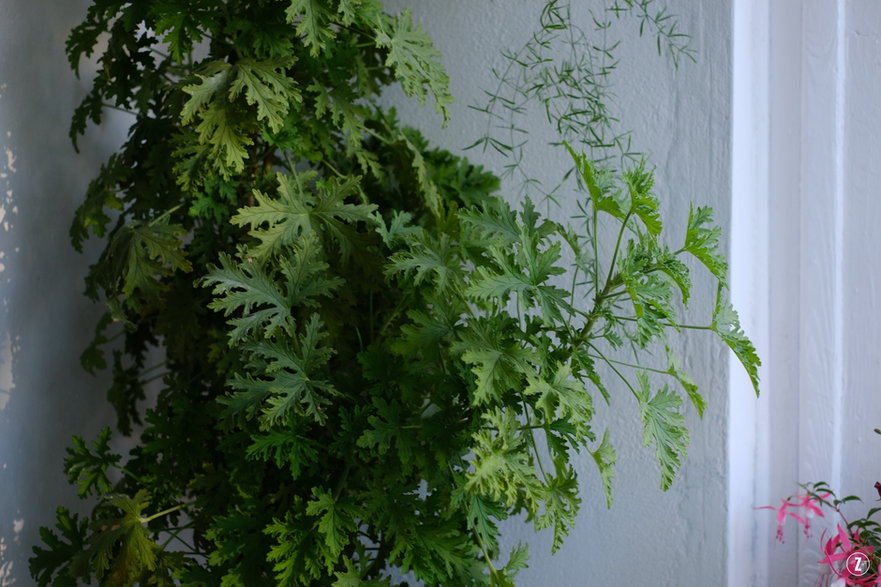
[44, 320]
[681, 120]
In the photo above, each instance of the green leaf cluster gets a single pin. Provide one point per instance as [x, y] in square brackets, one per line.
[369, 359]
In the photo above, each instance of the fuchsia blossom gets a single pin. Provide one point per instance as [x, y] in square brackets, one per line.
[836, 560]
[807, 502]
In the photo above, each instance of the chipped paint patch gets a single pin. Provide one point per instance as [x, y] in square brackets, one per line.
[7, 382]
[10, 160]
[6, 578]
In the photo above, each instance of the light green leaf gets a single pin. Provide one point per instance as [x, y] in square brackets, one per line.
[727, 325]
[674, 368]
[702, 241]
[561, 397]
[414, 60]
[313, 19]
[605, 458]
[336, 523]
[266, 86]
[244, 288]
[499, 364]
[214, 80]
[437, 260]
[301, 210]
[664, 425]
[643, 204]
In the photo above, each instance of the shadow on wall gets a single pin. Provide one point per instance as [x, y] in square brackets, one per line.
[45, 321]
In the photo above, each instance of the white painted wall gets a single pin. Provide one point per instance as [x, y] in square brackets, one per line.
[44, 320]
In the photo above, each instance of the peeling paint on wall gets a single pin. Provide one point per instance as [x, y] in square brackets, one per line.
[7, 383]
[6, 577]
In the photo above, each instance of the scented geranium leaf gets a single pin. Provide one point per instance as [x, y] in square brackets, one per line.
[483, 516]
[92, 214]
[518, 559]
[598, 186]
[88, 467]
[502, 463]
[300, 211]
[676, 270]
[213, 81]
[179, 23]
[384, 426]
[499, 363]
[650, 294]
[430, 193]
[425, 258]
[237, 541]
[727, 325]
[155, 249]
[702, 241]
[583, 366]
[353, 577]
[389, 427]
[266, 86]
[495, 221]
[664, 425]
[293, 376]
[605, 457]
[428, 330]
[414, 60]
[674, 368]
[245, 403]
[643, 204]
[296, 555]
[313, 21]
[306, 275]
[493, 284]
[400, 229]
[217, 130]
[561, 503]
[61, 563]
[525, 276]
[138, 256]
[336, 523]
[347, 115]
[286, 448]
[352, 11]
[561, 396]
[441, 552]
[243, 289]
[121, 548]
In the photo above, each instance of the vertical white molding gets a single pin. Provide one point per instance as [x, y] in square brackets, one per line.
[821, 265]
[747, 563]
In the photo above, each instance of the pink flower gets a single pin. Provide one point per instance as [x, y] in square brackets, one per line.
[807, 502]
[841, 541]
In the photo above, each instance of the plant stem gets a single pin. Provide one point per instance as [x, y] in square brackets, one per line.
[164, 512]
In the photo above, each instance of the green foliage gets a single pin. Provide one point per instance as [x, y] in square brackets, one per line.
[370, 360]
[88, 467]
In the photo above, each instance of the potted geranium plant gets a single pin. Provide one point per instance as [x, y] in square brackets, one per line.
[369, 358]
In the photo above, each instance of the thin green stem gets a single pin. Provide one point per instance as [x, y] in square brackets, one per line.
[618, 245]
[492, 569]
[164, 512]
[618, 373]
[670, 324]
[624, 363]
